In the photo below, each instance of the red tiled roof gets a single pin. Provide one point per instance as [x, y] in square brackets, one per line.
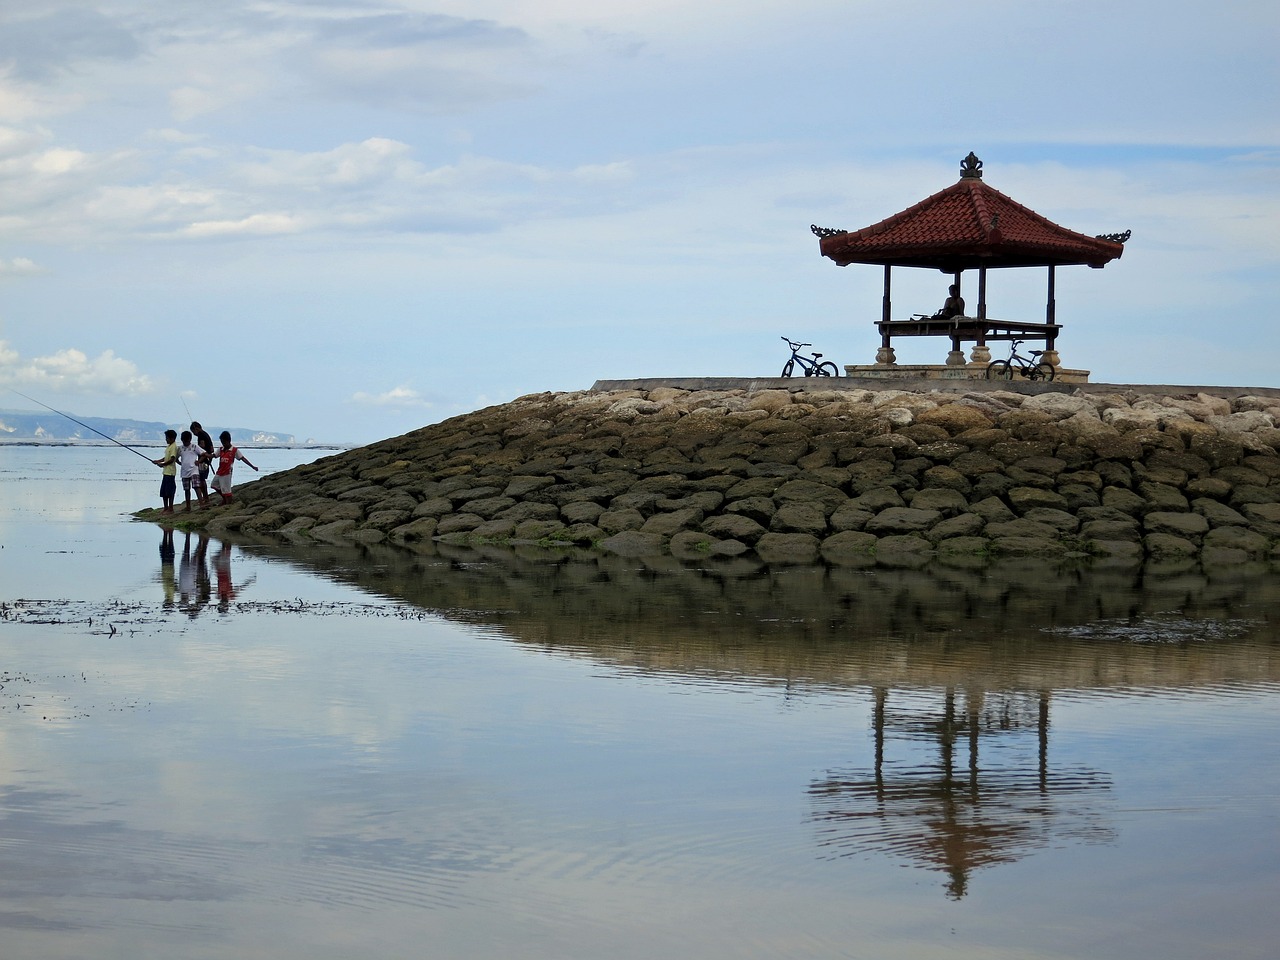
[968, 225]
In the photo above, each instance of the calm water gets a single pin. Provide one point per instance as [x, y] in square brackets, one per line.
[288, 751]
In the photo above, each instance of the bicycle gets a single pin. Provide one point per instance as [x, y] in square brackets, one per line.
[817, 367]
[1032, 367]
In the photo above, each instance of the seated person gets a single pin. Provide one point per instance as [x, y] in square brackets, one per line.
[954, 307]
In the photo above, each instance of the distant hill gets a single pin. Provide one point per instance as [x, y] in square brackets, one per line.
[47, 427]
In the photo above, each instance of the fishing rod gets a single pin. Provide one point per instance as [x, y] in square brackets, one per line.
[85, 425]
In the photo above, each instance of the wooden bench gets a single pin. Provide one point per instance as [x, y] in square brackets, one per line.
[975, 329]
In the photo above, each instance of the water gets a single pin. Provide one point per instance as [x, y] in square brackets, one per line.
[349, 751]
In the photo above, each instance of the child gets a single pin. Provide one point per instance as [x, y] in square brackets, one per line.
[189, 457]
[227, 456]
[206, 446]
[169, 463]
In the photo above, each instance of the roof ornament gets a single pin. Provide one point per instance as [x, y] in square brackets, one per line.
[821, 232]
[971, 167]
[1115, 237]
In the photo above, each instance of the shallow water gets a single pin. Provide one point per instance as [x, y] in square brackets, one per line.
[337, 751]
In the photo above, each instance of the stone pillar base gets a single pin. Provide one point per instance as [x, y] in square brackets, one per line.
[981, 353]
[955, 358]
[886, 356]
[1051, 356]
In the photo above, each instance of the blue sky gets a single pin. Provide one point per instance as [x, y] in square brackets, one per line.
[346, 219]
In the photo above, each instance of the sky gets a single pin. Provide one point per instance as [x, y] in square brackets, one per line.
[345, 220]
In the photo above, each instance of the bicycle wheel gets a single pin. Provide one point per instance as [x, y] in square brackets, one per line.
[786, 370]
[1042, 371]
[828, 369]
[999, 370]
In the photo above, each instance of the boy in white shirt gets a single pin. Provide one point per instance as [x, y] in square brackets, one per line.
[189, 455]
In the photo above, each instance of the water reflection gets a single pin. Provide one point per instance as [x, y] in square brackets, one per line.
[1019, 627]
[958, 813]
[167, 582]
[961, 667]
[194, 586]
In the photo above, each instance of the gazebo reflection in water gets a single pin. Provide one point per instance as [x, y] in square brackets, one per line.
[961, 808]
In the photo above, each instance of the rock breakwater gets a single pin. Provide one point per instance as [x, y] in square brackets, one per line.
[808, 473]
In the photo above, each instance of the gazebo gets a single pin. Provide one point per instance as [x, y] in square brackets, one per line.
[967, 226]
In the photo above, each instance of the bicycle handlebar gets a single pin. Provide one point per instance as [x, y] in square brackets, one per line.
[794, 345]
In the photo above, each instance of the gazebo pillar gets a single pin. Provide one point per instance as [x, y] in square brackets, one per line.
[981, 353]
[956, 357]
[1050, 354]
[885, 354]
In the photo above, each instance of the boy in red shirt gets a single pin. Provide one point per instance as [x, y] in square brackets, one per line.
[227, 456]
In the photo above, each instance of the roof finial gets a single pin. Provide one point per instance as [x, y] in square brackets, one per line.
[971, 167]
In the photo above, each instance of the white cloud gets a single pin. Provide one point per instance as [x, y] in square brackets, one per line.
[257, 224]
[20, 267]
[73, 371]
[398, 398]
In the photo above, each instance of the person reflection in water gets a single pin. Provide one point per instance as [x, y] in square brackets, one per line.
[222, 570]
[166, 567]
[193, 575]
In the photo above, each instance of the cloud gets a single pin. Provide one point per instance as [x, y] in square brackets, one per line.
[20, 267]
[397, 398]
[257, 224]
[38, 47]
[73, 371]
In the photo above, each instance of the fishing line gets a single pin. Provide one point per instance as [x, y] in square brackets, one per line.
[85, 425]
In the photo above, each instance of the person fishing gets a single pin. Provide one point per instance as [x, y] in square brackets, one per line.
[202, 478]
[169, 464]
[227, 457]
[190, 456]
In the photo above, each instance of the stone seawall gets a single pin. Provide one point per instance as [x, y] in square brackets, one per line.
[809, 472]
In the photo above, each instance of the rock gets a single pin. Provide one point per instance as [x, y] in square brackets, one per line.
[1247, 542]
[1061, 406]
[955, 418]
[787, 548]
[1218, 514]
[963, 546]
[1165, 545]
[1027, 547]
[759, 509]
[690, 544]
[616, 521]
[1111, 531]
[1022, 499]
[733, 527]
[849, 547]
[898, 520]
[1189, 526]
[1022, 528]
[847, 475]
[423, 528]
[903, 551]
[807, 491]
[1246, 421]
[634, 543]
[666, 524]
[964, 525]
[946, 501]
[799, 518]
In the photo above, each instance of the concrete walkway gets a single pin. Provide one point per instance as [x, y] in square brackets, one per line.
[923, 385]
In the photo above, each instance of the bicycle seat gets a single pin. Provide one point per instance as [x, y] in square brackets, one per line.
[816, 356]
[1036, 353]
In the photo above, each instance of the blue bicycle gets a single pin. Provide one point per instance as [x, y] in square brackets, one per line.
[817, 367]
